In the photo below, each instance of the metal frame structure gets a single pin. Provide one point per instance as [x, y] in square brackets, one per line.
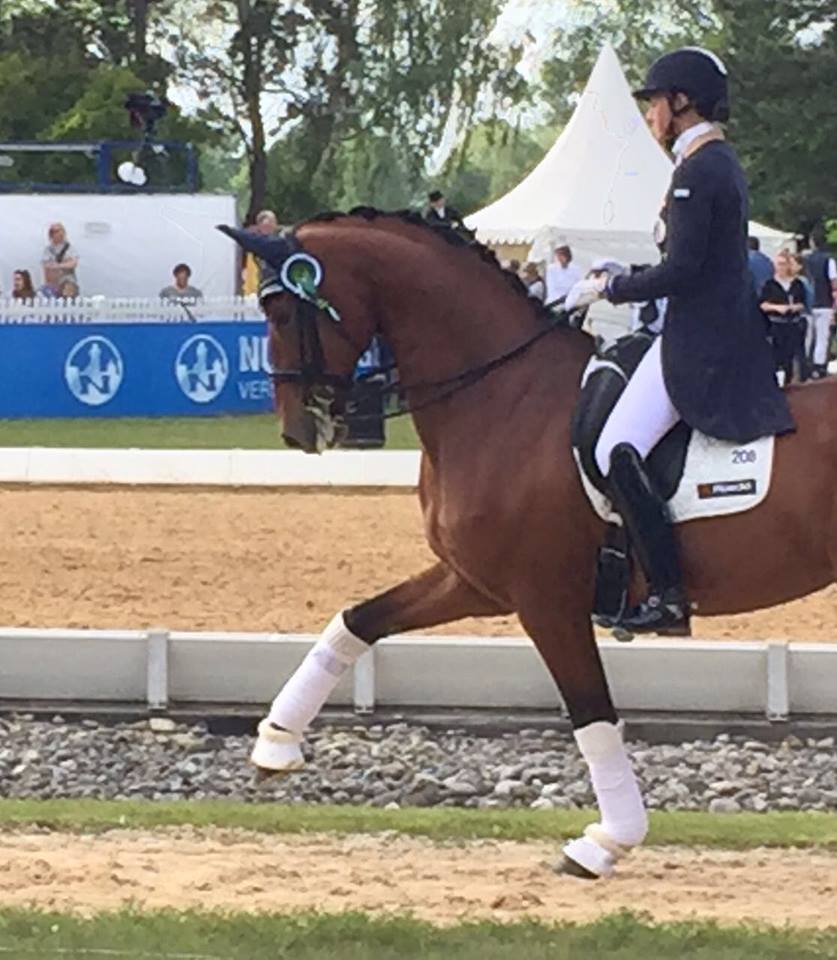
[101, 153]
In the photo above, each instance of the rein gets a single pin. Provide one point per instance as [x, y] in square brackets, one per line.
[301, 274]
[459, 381]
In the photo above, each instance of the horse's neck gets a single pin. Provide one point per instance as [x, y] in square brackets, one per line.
[443, 316]
[442, 323]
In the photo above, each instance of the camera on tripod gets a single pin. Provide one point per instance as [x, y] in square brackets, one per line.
[145, 111]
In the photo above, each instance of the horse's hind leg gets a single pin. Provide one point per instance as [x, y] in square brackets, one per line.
[438, 595]
[566, 643]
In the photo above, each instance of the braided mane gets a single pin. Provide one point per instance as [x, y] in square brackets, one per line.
[450, 234]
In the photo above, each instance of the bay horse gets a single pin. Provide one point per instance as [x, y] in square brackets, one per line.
[492, 381]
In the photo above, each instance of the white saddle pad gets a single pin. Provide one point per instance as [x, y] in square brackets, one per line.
[719, 478]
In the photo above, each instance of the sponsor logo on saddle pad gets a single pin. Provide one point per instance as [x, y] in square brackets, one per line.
[727, 488]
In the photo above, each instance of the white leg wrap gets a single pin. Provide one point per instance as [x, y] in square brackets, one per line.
[624, 822]
[303, 696]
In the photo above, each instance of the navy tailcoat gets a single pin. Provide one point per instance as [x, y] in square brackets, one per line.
[717, 363]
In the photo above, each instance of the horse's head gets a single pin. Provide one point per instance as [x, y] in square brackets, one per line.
[314, 342]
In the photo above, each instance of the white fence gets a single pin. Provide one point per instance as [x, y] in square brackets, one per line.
[158, 669]
[128, 310]
[253, 468]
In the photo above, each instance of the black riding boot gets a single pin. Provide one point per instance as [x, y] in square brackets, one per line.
[646, 517]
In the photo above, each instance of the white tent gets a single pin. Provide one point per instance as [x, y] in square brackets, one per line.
[598, 189]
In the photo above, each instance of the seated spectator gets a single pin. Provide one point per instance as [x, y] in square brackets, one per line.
[59, 260]
[783, 302]
[534, 284]
[181, 291]
[68, 289]
[22, 288]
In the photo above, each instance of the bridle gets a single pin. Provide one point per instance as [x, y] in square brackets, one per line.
[300, 275]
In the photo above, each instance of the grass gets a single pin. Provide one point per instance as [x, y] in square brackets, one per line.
[183, 433]
[351, 936]
[728, 831]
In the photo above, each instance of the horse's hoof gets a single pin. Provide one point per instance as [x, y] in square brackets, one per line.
[569, 868]
[276, 752]
[262, 774]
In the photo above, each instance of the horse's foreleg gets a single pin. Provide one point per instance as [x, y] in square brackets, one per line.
[438, 595]
[569, 649]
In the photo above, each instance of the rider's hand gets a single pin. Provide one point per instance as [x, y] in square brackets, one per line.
[613, 268]
[586, 291]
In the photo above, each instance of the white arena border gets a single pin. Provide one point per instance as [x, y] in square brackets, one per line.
[235, 468]
[155, 669]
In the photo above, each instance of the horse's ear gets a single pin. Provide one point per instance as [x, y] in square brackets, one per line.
[273, 250]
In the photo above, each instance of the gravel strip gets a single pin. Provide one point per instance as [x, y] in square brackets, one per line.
[404, 765]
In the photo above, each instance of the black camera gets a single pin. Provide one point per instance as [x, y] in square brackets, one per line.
[145, 110]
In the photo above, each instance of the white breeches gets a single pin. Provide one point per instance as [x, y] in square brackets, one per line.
[819, 328]
[644, 413]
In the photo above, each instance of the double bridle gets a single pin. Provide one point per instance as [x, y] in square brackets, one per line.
[301, 275]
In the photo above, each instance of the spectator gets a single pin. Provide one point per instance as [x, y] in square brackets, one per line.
[534, 284]
[783, 302]
[181, 291]
[798, 270]
[266, 223]
[561, 275]
[22, 288]
[59, 260]
[514, 267]
[68, 289]
[761, 266]
[822, 270]
[439, 212]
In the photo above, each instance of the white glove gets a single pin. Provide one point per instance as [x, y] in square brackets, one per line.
[585, 292]
[609, 266]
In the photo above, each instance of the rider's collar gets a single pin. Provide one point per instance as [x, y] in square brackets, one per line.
[688, 137]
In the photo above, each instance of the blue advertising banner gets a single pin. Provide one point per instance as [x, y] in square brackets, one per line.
[134, 370]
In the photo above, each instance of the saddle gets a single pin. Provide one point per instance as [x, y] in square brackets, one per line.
[698, 476]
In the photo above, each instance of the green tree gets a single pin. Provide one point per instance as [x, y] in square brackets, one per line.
[360, 91]
[65, 70]
[493, 157]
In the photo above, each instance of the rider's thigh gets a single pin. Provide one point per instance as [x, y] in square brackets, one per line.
[643, 414]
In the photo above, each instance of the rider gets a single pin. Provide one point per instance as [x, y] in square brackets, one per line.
[712, 365]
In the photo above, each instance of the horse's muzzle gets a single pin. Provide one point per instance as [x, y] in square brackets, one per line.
[314, 431]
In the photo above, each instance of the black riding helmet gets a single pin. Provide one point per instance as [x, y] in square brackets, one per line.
[698, 73]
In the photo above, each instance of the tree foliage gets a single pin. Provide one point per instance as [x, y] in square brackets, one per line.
[65, 70]
[360, 89]
[782, 58]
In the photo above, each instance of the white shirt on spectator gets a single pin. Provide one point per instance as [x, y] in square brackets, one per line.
[560, 280]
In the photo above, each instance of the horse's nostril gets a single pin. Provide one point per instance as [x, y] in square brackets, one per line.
[291, 442]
